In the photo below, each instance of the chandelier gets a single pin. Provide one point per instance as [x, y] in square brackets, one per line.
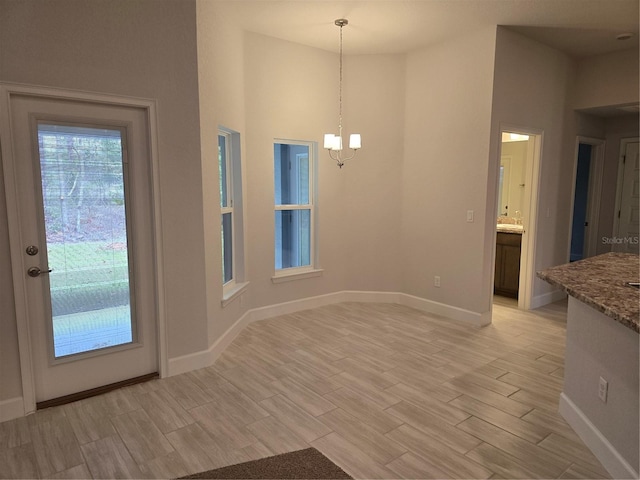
[333, 143]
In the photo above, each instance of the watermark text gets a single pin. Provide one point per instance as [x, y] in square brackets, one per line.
[632, 240]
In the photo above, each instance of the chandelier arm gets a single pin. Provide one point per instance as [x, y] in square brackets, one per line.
[336, 158]
[355, 152]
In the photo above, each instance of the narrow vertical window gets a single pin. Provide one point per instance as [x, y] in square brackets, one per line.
[231, 214]
[294, 206]
[226, 205]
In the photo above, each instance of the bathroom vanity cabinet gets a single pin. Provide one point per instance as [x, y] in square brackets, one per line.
[507, 275]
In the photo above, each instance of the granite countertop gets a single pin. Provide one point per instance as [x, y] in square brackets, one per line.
[601, 283]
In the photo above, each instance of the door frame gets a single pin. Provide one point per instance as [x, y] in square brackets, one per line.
[621, 161]
[18, 266]
[594, 192]
[530, 213]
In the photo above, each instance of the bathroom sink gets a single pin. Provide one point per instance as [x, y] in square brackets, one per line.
[509, 228]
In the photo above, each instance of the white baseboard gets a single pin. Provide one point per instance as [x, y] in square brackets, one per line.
[547, 298]
[205, 358]
[606, 453]
[293, 306]
[11, 408]
[372, 297]
[444, 310]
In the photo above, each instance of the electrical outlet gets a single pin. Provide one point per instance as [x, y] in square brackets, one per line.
[603, 389]
[470, 216]
[436, 281]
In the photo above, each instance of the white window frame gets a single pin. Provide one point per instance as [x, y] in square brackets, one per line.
[313, 269]
[237, 284]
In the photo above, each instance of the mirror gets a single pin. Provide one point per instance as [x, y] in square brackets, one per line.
[505, 184]
[512, 174]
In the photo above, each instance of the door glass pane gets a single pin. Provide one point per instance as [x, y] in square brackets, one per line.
[82, 172]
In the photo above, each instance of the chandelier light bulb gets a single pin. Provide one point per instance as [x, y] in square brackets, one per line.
[328, 140]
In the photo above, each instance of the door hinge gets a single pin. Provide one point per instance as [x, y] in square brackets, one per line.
[586, 224]
[624, 159]
[618, 213]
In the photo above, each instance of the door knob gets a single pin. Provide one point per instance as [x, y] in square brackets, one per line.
[35, 271]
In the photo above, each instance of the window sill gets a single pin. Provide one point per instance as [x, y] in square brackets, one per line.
[233, 293]
[285, 276]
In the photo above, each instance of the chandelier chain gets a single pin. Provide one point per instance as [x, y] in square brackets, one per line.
[340, 90]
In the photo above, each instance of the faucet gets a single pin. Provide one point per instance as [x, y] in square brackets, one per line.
[518, 217]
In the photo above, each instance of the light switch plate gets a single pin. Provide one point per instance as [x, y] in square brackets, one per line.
[470, 216]
[603, 388]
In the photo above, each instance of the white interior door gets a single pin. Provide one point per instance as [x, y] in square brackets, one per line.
[83, 196]
[628, 231]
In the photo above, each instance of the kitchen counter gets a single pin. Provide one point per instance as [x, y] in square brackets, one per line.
[601, 363]
[601, 283]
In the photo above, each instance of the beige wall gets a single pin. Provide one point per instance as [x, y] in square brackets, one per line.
[555, 87]
[446, 154]
[369, 202]
[610, 79]
[616, 129]
[388, 221]
[287, 87]
[604, 81]
[221, 95]
[292, 93]
[128, 48]
[10, 382]
[530, 91]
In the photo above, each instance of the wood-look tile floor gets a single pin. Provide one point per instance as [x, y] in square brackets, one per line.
[383, 390]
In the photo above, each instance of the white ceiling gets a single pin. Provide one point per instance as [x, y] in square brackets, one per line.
[578, 27]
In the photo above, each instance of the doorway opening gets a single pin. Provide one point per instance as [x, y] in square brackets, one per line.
[587, 187]
[516, 214]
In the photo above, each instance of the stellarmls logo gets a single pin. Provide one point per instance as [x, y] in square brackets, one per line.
[620, 240]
